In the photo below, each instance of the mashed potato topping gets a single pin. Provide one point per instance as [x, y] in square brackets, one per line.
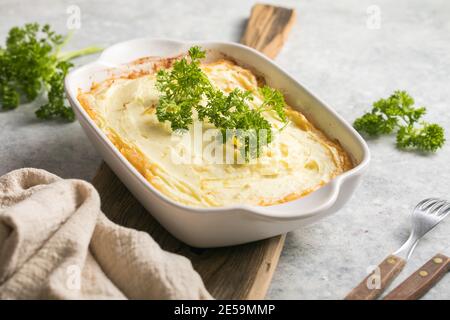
[299, 160]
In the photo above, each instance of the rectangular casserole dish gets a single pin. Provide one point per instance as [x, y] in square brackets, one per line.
[228, 225]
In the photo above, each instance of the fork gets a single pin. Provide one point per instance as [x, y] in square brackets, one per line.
[426, 215]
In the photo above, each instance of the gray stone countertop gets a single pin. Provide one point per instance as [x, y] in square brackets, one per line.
[338, 49]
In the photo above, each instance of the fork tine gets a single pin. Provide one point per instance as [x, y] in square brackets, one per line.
[428, 203]
[444, 210]
[422, 202]
[433, 209]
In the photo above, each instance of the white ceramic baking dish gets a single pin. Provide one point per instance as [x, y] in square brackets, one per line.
[230, 225]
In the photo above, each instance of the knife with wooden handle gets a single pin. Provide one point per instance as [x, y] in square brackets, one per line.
[375, 283]
[417, 284]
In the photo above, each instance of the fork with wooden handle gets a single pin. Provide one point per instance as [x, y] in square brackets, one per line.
[426, 215]
[418, 283]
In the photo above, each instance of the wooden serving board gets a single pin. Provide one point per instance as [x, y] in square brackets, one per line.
[237, 272]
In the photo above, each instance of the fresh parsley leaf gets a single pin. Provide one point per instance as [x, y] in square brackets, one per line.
[274, 100]
[427, 138]
[185, 87]
[398, 114]
[31, 63]
[196, 53]
[233, 116]
[56, 106]
[182, 89]
[375, 124]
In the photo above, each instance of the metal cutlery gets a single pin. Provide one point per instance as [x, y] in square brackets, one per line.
[426, 215]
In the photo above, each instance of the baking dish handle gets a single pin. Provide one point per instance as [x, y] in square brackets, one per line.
[317, 203]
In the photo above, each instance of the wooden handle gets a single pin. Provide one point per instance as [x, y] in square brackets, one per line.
[422, 280]
[375, 283]
[267, 28]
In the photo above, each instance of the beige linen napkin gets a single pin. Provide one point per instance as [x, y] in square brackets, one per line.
[55, 243]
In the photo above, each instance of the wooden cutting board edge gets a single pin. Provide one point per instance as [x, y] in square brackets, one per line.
[264, 275]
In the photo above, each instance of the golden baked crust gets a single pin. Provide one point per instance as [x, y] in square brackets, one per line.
[152, 171]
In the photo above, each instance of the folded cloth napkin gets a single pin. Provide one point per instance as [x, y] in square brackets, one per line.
[55, 243]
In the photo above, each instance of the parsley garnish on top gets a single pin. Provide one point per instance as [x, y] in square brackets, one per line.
[183, 88]
[231, 114]
[397, 114]
[186, 86]
[32, 62]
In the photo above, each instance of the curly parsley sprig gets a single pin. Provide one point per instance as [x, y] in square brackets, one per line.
[186, 86]
[398, 114]
[32, 62]
[232, 115]
[183, 88]
[273, 99]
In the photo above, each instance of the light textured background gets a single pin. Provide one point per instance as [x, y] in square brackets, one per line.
[333, 52]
